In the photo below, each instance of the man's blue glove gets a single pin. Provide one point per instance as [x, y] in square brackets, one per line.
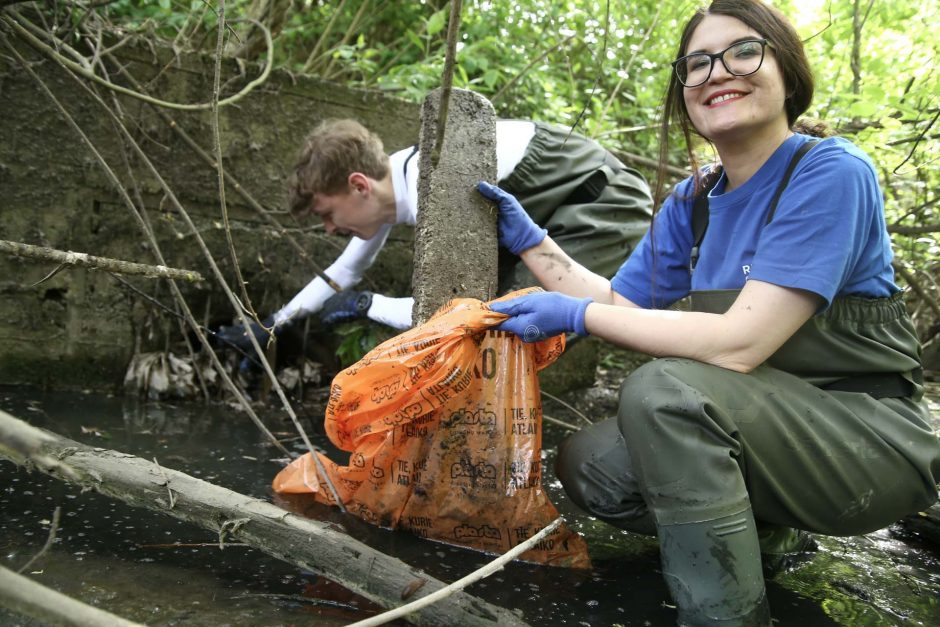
[517, 232]
[236, 335]
[345, 306]
[542, 315]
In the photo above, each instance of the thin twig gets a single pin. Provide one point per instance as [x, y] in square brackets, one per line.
[917, 143]
[915, 285]
[166, 483]
[481, 573]
[528, 67]
[453, 27]
[647, 162]
[903, 229]
[401, 46]
[597, 76]
[569, 407]
[177, 545]
[349, 33]
[314, 54]
[633, 56]
[153, 301]
[560, 423]
[219, 166]
[78, 69]
[53, 528]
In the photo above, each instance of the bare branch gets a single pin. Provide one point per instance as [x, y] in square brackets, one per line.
[220, 168]
[568, 406]
[315, 53]
[453, 27]
[902, 229]
[85, 260]
[82, 71]
[515, 79]
[633, 56]
[647, 162]
[353, 29]
[916, 143]
[481, 573]
[915, 285]
[53, 529]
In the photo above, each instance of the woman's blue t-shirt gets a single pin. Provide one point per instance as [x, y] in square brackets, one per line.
[828, 234]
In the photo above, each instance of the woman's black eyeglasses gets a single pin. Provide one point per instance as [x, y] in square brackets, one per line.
[745, 58]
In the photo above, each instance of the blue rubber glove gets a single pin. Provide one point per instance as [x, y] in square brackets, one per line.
[517, 232]
[236, 335]
[345, 306]
[542, 315]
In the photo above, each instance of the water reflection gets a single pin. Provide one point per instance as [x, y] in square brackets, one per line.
[157, 570]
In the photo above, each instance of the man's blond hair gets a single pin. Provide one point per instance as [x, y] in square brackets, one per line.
[334, 150]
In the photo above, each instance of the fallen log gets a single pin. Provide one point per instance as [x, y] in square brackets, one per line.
[25, 596]
[308, 544]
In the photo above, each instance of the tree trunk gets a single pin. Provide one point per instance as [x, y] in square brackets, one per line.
[455, 240]
[308, 544]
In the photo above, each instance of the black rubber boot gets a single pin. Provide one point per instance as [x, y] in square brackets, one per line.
[713, 570]
[784, 548]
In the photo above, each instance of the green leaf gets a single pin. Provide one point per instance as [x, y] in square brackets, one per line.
[436, 22]
[490, 77]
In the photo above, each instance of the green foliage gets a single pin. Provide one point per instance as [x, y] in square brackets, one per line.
[603, 65]
[358, 338]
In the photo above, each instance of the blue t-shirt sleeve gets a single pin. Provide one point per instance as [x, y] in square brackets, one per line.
[655, 276]
[828, 219]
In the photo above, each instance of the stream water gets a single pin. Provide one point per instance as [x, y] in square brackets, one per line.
[152, 569]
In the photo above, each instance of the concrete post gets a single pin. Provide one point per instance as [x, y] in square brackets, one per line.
[455, 241]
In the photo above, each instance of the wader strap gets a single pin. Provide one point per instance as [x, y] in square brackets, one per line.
[878, 385]
[700, 214]
[802, 150]
[404, 167]
[700, 204]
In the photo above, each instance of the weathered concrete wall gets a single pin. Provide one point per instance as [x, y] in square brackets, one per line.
[80, 328]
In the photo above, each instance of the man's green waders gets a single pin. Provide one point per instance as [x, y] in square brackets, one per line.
[698, 452]
[593, 207]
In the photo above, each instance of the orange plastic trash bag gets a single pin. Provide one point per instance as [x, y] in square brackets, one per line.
[444, 427]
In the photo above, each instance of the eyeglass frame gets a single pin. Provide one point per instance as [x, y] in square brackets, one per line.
[720, 56]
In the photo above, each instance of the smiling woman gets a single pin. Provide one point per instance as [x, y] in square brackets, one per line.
[798, 352]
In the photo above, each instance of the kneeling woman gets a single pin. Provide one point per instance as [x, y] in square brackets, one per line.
[790, 397]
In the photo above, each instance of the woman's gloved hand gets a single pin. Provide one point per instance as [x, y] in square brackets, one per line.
[517, 231]
[542, 315]
[345, 306]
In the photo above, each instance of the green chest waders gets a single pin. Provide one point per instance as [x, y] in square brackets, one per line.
[593, 206]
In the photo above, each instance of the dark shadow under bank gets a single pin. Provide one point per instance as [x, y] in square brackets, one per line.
[117, 558]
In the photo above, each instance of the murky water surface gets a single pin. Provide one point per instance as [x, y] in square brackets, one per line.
[153, 569]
